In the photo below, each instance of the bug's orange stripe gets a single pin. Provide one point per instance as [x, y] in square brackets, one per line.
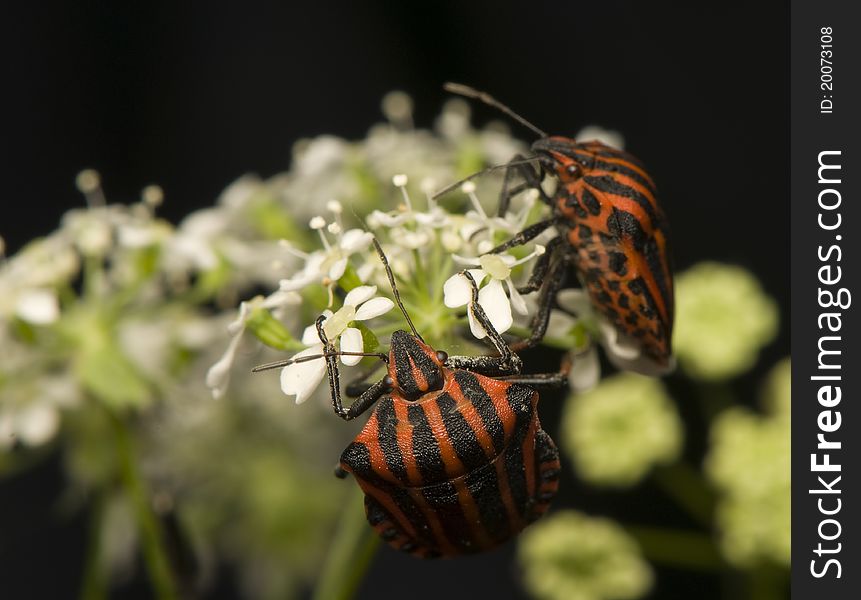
[529, 454]
[432, 519]
[405, 444]
[453, 468]
[628, 164]
[515, 522]
[421, 380]
[451, 462]
[387, 502]
[473, 419]
[377, 456]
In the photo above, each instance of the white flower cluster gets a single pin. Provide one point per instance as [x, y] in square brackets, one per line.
[427, 241]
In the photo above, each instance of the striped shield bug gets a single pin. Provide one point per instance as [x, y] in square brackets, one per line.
[453, 459]
[610, 229]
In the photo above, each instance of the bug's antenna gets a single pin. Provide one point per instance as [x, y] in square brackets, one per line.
[395, 288]
[293, 361]
[460, 182]
[470, 92]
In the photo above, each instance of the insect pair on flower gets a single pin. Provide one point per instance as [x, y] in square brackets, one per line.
[453, 459]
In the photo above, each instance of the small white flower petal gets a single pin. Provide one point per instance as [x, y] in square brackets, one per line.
[301, 379]
[585, 371]
[351, 341]
[619, 344]
[456, 291]
[575, 301]
[517, 301]
[389, 219]
[218, 375]
[495, 265]
[39, 307]
[280, 299]
[495, 303]
[373, 308]
[360, 294]
[355, 240]
[338, 268]
[466, 260]
[38, 424]
[309, 335]
[474, 326]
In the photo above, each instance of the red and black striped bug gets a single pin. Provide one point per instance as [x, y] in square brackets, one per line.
[453, 459]
[611, 230]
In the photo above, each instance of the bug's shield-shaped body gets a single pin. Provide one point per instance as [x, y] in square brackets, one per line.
[620, 236]
[458, 470]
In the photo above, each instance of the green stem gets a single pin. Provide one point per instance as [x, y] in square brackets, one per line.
[94, 585]
[687, 487]
[154, 552]
[684, 549]
[350, 553]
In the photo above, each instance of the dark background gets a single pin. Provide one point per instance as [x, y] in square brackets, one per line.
[193, 96]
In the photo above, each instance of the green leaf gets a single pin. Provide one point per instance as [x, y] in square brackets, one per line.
[350, 279]
[371, 343]
[271, 331]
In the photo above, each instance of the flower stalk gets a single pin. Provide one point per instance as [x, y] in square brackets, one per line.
[350, 553]
[154, 551]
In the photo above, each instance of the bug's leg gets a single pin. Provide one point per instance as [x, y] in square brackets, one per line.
[548, 468]
[365, 401]
[359, 385]
[532, 177]
[548, 380]
[553, 282]
[525, 235]
[539, 272]
[506, 363]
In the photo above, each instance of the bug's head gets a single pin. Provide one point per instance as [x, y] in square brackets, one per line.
[564, 157]
[414, 367]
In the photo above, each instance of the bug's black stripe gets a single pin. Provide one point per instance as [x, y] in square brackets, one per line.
[590, 201]
[572, 201]
[403, 371]
[638, 286]
[462, 437]
[617, 154]
[358, 458]
[515, 472]
[409, 353]
[387, 436]
[484, 487]
[656, 267]
[472, 389]
[442, 498]
[626, 171]
[622, 223]
[608, 185]
[425, 446]
[519, 398]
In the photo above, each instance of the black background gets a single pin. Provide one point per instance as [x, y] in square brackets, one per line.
[193, 96]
